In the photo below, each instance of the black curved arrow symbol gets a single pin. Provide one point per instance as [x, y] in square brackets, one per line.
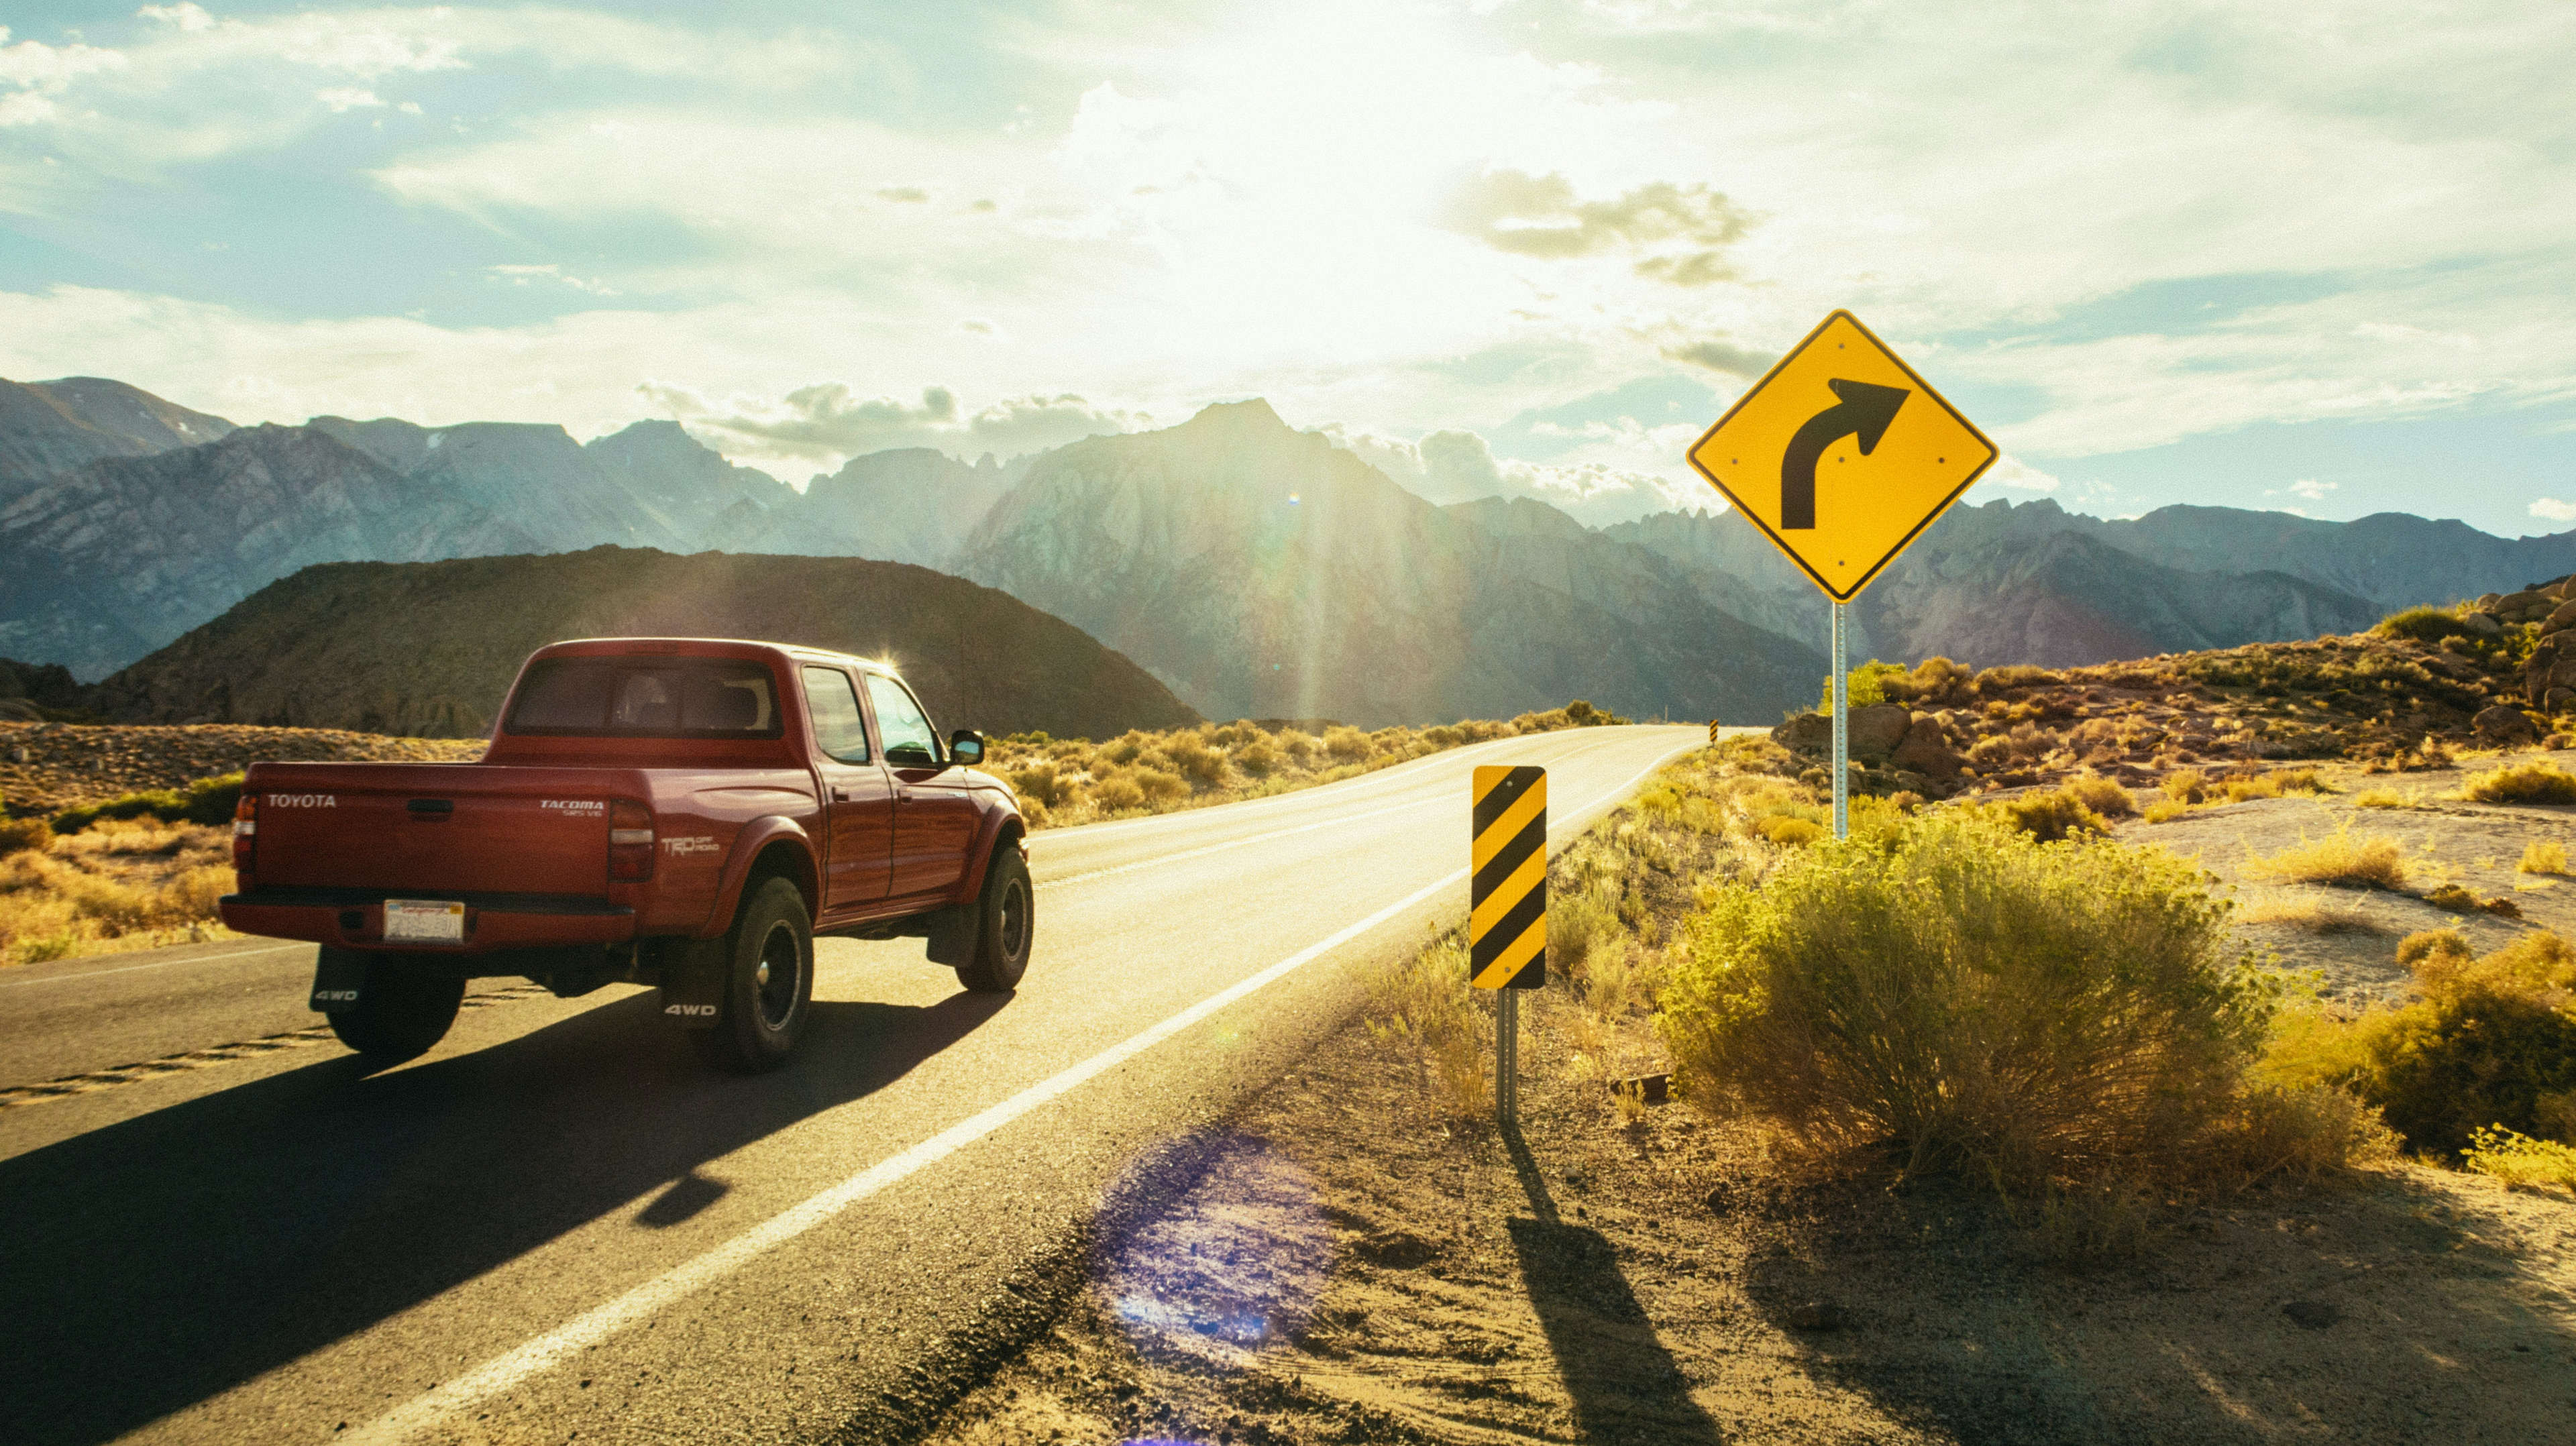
[1863, 413]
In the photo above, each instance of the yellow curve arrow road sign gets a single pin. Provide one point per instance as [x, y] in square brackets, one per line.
[1842, 455]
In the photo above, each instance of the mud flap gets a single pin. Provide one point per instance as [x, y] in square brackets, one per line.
[693, 982]
[337, 979]
[953, 933]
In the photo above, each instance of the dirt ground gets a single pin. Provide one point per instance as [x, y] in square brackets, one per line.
[1349, 1266]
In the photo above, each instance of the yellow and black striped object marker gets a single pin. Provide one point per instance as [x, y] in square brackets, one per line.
[1507, 922]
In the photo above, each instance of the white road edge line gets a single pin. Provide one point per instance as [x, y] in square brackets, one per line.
[158, 964]
[597, 1324]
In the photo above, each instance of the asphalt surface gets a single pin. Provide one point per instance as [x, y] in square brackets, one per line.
[558, 1226]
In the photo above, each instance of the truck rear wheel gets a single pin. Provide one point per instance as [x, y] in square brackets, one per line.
[1006, 918]
[769, 983]
[403, 1008]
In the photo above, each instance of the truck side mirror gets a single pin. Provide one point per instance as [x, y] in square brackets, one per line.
[966, 747]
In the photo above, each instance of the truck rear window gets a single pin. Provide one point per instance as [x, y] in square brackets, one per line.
[646, 698]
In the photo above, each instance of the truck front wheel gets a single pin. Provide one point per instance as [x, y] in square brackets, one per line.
[1007, 924]
[769, 983]
[403, 1007]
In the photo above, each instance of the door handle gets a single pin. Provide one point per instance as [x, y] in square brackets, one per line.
[840, 795]
[903, 795]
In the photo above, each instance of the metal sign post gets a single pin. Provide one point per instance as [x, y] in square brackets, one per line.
[1507, 909]
[1842, 733]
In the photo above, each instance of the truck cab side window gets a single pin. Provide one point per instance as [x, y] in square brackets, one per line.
[910, 741]
[835, 706]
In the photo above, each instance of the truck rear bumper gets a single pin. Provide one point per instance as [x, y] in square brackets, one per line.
[355, 919]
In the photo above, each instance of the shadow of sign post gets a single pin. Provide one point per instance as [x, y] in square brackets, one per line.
[1623, 1382]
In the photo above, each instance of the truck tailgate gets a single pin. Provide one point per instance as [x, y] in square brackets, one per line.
[437, 829]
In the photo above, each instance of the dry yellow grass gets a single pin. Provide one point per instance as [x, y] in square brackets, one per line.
[2383, 798]
[2309, 914]
[2523, 783]
[2342, 858]
[2545, 856]
[2166, 810]
[114, 885]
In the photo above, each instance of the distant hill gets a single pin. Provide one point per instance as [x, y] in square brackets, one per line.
[2034, 583]
[429, 648]
[1264, 572]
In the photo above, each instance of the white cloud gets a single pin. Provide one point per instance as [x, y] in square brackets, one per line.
[2550, 509]
[347, 98]
[2012, 473]
[2312, 489]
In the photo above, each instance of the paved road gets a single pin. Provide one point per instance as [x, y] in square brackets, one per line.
[557, 1225]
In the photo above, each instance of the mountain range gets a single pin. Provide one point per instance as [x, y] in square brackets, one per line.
[1254, 569]
[429, 648]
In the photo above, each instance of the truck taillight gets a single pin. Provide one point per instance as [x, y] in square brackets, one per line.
[246, 836]
[630, 841]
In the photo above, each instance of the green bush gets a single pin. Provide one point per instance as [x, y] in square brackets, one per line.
[2491, 1042]
[208, 801]
[2423, 625]
[2016, 1010]
[1871, 683]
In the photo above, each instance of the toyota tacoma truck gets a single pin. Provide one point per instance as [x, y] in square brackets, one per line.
[685, 813]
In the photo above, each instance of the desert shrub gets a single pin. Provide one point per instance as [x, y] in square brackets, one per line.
[2522, 783]
[1423, 1000]
[2241, 789]
[1158, 786]
[1581, 923]
[2371, 861]
[2102, 795]
[1041, 783]
[2381, 798]
[1257, 759]
[207, 801]
[2018, 1010]
[1788, 830]
[1202, 765]
[2518, 1159]
[1864, 686]
[24, 833]
[2301, 780]
[2015, 675]
[1345, 744]
[1297, 744]
[2422, 625]
[2544, 856]
[2308, 914]
[1117, 795]
[1933, 680]
[2051, 815]
[2489, 1042]
[2166, 810]
[2186, 785]
[1123, 750]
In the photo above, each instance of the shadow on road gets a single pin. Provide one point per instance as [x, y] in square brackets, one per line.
[1623, 1382]
[161, 1260]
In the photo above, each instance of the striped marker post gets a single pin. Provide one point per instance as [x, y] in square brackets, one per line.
[1507, 916]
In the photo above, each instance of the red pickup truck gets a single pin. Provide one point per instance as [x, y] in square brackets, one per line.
[683, 812]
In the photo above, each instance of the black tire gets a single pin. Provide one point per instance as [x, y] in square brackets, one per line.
[404, 1008]
[1006, 921]
[769, 983]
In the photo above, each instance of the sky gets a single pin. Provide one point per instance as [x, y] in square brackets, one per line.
[2316, 259]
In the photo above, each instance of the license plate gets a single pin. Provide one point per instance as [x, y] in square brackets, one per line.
[425, 921]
